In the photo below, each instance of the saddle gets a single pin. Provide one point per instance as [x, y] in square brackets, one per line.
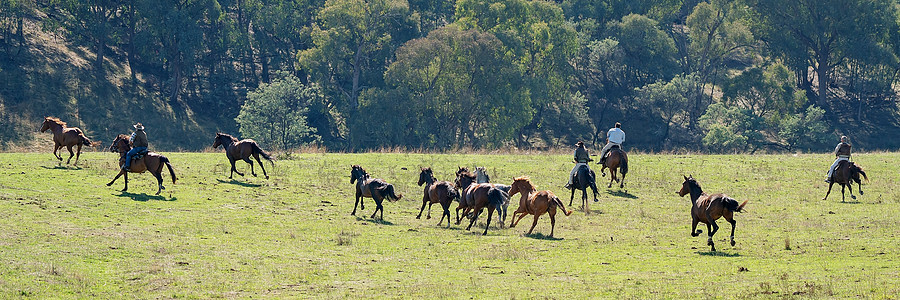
[585, 166]
[140, 155]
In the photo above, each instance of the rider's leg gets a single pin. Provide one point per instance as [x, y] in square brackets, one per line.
[831, 169]
[604, 151]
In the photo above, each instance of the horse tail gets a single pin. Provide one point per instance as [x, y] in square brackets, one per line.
[856, 168]
[624, 167]
[84, 139]
[733, 205]
[165, 160]
[257, 149]
[387, 191]
[453, 193]
[556, 202]
[495, 197]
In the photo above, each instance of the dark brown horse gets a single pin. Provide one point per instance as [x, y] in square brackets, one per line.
[66, 137]
[150, 161]
[476, 197]
[376, 189]
[709, 208]
[441, 192]
[584, 179]
[242, 150]
[845, 174]
[535, 203]
[616, 160]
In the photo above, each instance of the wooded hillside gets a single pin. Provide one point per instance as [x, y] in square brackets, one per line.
[351, 75]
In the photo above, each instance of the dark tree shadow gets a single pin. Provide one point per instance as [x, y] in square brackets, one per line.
[717, 253]
[623, 194]
[240, 183]
[541, 236]
[144, 197]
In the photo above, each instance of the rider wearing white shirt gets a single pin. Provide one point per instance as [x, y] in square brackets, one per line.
[614, 137]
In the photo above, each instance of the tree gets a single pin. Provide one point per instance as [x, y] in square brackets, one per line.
[354, 40]
[649, 52]
[276, 113]
[667, 102]
[454, 88]
[822, 34]
[94, 21]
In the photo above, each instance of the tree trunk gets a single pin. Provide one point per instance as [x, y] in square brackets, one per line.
[822, 78]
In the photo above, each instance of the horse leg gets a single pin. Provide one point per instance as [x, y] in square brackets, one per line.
[552, 214]
[159, 181]
[56, 152]
[377, 207]
[715, 228]
[117, 177]
[622, 183]
[77, 154]
[850, 186]
[261, 166]
[843, 187]
[572, 197]
[247, 160]
[733, 224]
[70, 154]
[603, 170]
[516, 221]
[358, 195]
[594, 189]
[446, 213]
[490, 212]
[533, 224]
[694, 232]
[428, 217]
[611, 178]
[829, 190]
[474, 218]
[424, 200]
[458, 219]
[584, 202]
[126, 182]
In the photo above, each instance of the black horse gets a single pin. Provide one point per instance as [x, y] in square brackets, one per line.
[584, 178]
[376, 189]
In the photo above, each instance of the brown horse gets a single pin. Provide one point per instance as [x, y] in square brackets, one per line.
[441, 192]
[709, 208]
[66, 137]
[615, 159]
[464, 179]
[376, 189]
[242, 150]
[476, 197]
[150, 161]
[845, 174]
[535, 203]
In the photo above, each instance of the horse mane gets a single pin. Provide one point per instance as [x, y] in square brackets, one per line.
[56, 120]
[426, 169]
[124, 137]
[467, 174]
[694, 184]
[526, 179]
[233, 139]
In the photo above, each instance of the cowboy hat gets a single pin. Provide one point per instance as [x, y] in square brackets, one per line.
[139, 126]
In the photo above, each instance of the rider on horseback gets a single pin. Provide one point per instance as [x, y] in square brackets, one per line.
[582, 157]
[842, 152]
[614, 137]
[138, 143]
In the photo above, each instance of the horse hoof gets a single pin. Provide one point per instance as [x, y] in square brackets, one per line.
[428, 218]
[596, 200]
[853, 197]
[108, 184]
[732, 243]
[267, 177]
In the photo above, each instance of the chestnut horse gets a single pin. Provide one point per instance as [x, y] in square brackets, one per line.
[476, 197]
[709, 208]
[481, 176]
[150, 161]
[845, 174]
[535, 203]
[616, 160]
[442, 192]
[66, 137]
[242, 150]
[376, 189]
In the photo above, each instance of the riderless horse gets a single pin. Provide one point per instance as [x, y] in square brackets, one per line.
[442, 192]
[66, 137]
[376, 189]
[242, 150]
[709, 208]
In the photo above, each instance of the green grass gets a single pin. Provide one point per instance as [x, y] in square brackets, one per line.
[65, 234]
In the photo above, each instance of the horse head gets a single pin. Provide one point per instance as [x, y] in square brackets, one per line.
[426, 176]
[46, 124]
[357, 173]
[521, 185]
[689, 185]
[482, 175]
[120, 144]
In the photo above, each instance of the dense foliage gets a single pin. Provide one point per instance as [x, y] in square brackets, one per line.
[716, 75]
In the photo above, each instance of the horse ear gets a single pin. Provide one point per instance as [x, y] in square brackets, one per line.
[685, 177]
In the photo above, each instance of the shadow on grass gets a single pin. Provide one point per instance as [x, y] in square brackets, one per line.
[623, 194]
[717, 253]
[541, 236]
[144, 197]
[61, 167]
[240, 183]
[375, 221]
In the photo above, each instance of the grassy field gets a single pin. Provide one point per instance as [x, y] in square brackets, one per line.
[65, 234]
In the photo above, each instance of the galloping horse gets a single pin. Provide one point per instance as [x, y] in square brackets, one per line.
[709, 208]
[535, 203]
[584, 178]
[615, 159]
[481, 176]
[150, 161]
[376, 189]
[66, 137]
[475, 197]
[845, 174]
[441, 192]
[242, 150]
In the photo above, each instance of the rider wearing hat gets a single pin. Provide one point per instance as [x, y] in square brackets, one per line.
[842, 152]
[582, 157]
[138, 144]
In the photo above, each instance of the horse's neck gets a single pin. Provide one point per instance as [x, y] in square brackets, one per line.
[57, 128]
[228, 144]
[526, 195]
[481, 178]
[696, 194]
